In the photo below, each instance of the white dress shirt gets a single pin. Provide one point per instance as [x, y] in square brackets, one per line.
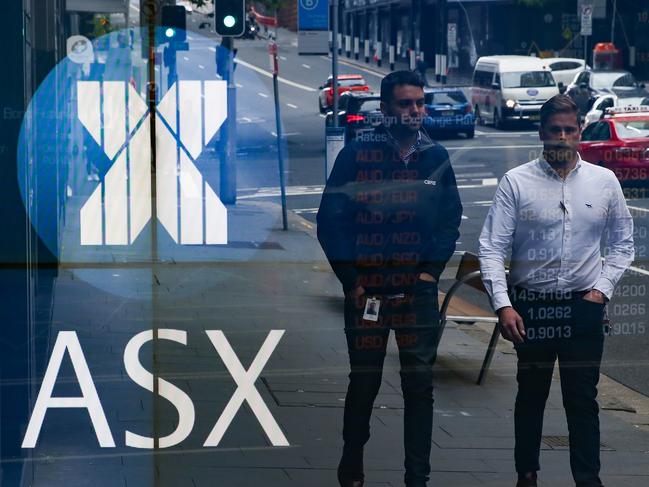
[555, 229]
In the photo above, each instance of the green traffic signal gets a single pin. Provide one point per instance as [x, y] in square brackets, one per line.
[229, 17]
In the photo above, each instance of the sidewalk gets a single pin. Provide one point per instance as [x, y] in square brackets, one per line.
[285, 283]
[452, 79]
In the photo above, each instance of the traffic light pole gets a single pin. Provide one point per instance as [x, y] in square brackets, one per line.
[228, 144]
[334, 61]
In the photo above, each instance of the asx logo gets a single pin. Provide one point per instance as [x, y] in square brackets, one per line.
[67, 342]
[118, 119]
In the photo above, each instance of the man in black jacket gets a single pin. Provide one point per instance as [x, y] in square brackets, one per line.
[388, 223]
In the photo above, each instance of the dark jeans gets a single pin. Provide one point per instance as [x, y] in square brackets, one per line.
[577, 341]
[415, 321]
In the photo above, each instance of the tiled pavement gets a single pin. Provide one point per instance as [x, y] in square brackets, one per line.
[285, 284]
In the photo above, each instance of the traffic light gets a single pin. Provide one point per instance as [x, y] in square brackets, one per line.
[174, 24]
[230, 17]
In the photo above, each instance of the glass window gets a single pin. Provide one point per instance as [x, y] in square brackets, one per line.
[596, 132]
[528, 79]
[606, 103]
[351, 82]
[445, 97]
[583, 78]
[366, 105]
[482, 78]
[571, 65]
[632, 129]
[610, 80]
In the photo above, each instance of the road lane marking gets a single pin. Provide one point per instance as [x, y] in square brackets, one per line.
[283, 58]
[285, 134]
[212, 48]
[271, 191]
[467, 166]
[200, 66]
[492, 147]
[306, 66]
[639, 270]
[637, 208]
[185, 58]
[378, 74]
[275, 191]
[472, 174]
[263, 95]
[468, 204]
[474, 186]
[322, 115]
[279, 78]
[238, 85]
[506, 134]
[291, 105]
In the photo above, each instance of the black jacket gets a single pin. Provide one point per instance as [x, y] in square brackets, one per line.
[382, 222]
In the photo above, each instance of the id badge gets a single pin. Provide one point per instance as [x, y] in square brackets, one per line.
[371, 312]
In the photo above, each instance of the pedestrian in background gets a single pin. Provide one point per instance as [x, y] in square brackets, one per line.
[388, 223]
[554, 212]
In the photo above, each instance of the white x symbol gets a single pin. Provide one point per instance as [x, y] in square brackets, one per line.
[246, 388]
[118, 120]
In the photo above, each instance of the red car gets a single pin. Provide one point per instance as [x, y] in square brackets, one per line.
[620, 142]
[346, 82]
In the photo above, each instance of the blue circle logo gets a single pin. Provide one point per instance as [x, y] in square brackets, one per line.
[85, 158]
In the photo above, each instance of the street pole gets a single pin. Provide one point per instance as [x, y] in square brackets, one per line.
[228, 152]
[278, 129]
[444, 53]
[150, 11]
[334, 61]
[613, 22]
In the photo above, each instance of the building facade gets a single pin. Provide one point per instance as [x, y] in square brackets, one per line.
[389, 31]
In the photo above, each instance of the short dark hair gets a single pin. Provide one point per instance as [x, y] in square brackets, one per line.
[399, 78]
[559, 104]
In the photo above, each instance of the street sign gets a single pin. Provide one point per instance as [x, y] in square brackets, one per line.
[313, 27]
[451, 36]
[586, 20]
[272, 57]
[79, 49]
[335, 141]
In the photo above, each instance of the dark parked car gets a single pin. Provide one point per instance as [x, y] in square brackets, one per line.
[449, 111]
[359, 112]
[588, 85]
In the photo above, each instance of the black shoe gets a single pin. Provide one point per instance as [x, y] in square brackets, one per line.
[347, 480]
[527, 480]
[350, 468]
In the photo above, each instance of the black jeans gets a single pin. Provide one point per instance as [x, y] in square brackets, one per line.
[415, 321]
[573, 333]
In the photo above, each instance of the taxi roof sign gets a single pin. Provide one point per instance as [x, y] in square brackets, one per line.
[627, 110]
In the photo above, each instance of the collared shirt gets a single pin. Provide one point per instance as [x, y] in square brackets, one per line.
[555, 228]
[411, 150]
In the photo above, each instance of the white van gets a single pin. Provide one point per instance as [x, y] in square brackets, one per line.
[508, 88]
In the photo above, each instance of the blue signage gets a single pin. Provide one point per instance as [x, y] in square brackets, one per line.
[313, 15]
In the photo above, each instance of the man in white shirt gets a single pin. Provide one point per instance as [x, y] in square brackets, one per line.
[554, 212]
